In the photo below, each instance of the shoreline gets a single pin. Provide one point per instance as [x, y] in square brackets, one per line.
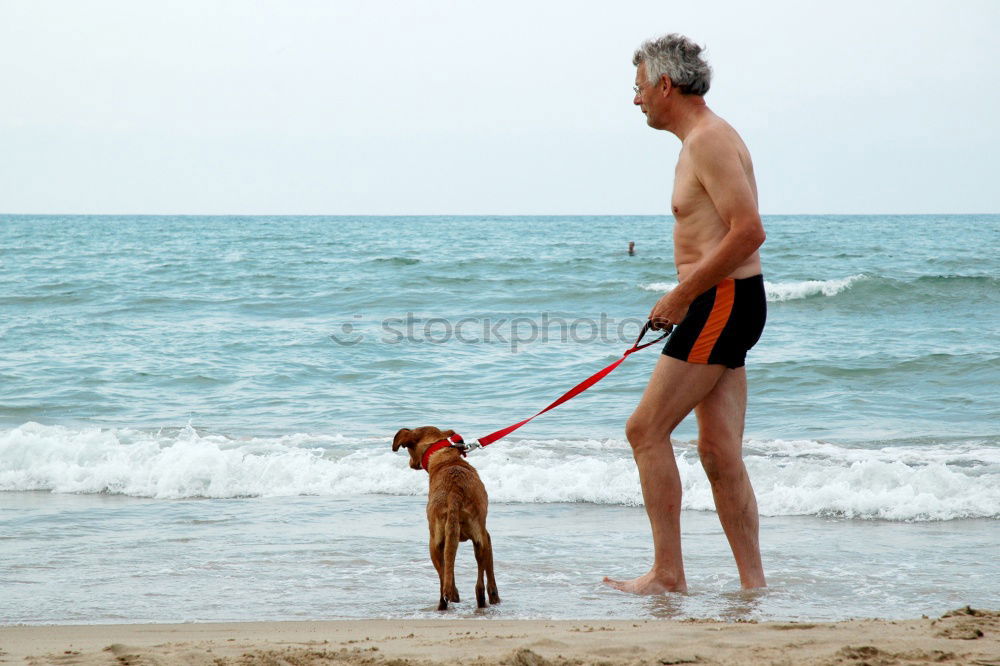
[960, 637]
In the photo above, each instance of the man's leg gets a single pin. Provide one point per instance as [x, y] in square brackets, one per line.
[674, 389]
[720, 444]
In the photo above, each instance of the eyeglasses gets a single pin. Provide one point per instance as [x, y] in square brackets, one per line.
[638, 89]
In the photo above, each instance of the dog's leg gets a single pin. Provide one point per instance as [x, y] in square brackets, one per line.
[452, 532]
[491, 582]
[453, 592]
[437, 557]
[478, 544]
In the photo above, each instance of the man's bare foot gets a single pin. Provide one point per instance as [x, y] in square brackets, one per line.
[648, 584]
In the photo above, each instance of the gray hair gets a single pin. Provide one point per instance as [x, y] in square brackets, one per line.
[677, 57]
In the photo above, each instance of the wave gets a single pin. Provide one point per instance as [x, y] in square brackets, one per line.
[395, 261]
[898, 481]
[786, 291]
[791, 291]
[916, 289]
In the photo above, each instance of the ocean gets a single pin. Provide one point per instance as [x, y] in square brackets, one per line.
[196, 416]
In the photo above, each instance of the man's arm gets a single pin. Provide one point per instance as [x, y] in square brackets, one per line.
[717, 166]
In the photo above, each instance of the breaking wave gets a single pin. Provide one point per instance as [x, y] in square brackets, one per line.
[786, 291]
[900, 481]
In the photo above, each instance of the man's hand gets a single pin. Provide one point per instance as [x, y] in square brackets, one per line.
[669, 310]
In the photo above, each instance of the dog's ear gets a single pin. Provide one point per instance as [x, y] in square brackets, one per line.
[403, 438]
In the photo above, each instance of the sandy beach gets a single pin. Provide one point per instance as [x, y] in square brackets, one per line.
[965, 636]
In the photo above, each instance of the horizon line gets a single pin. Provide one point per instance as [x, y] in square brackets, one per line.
[662, 214]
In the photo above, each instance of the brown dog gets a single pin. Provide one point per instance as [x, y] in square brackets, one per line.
[456, 509]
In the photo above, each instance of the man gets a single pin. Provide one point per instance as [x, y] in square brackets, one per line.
[717, 309]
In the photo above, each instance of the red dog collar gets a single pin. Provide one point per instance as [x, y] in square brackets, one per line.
[455, 441]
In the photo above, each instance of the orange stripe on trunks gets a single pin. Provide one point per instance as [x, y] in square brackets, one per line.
[717, 319]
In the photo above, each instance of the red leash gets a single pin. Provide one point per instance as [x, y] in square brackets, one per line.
[572, 393]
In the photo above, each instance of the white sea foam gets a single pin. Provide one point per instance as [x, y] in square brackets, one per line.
[785, 291]
[790, 291]
[902, 482]
[658, 286]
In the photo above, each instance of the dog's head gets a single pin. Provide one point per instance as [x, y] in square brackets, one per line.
[417, 441]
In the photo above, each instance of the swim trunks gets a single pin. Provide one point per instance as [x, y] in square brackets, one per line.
[722, 324]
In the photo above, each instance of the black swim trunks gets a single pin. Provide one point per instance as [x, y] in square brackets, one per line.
[722, 324]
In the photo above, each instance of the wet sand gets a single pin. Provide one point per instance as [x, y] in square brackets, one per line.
[965, 636]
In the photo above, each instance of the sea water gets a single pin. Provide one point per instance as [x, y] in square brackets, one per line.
[196, 416]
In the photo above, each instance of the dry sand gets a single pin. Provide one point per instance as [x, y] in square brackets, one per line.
[965, 636]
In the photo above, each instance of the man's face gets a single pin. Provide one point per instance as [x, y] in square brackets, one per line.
[646, 98]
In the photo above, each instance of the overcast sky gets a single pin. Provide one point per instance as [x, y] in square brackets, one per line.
[433, 106]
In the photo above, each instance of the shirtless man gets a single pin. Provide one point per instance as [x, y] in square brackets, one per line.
[718, 310]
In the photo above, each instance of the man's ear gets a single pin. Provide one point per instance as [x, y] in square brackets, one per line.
[403, 438]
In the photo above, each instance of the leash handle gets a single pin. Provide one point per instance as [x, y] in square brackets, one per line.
[648, 326]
